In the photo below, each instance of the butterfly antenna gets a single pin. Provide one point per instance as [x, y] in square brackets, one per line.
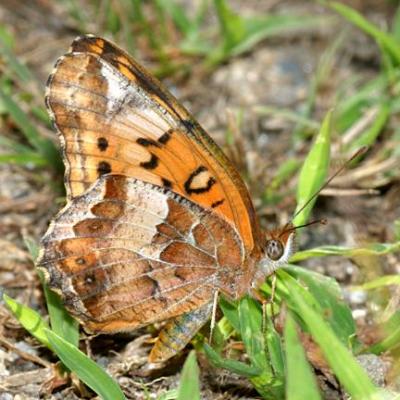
[291, 228]
[362, 150]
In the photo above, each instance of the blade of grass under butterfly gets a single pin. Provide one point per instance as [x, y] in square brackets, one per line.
[30, 319]
[269, 385]
[300, 381]
[189, 385]
[275, 348]
[329, 296]
[350, 374]
[234, 366]
[86, 369]
[314, 171]
[62, 323]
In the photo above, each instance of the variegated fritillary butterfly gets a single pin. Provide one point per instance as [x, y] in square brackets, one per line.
[158, 220]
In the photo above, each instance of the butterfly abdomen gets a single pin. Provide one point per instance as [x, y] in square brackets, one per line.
[178, 332]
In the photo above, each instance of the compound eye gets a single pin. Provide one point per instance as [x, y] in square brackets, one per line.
[274, 249]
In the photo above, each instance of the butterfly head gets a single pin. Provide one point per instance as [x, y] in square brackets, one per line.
[279, 246]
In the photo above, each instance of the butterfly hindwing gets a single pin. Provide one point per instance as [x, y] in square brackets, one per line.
[128, 253]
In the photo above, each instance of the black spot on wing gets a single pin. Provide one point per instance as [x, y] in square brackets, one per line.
[217, 203]
[151, 164]
[163, 139]
[103, 168]
[166, 183]
[102, 143]
[147, 142]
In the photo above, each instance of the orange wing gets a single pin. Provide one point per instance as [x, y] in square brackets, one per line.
[114, 117]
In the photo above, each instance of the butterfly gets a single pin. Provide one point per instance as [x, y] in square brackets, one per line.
[158, 221]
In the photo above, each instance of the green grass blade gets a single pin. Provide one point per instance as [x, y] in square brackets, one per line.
[250, 327]
[268, 384]
[288, 115]
[32, 247]
[350, 374]
[27, 159]
[85, 368]
[231, 24]
[380, 282]
[374, 249]
[390, 330]
[389, 42]
[351, 108]
[260, 28]
[178, 15]
[20, 70]
[170, 395]
[300, 381]
[396, 25]
[189, 385]
[44, 147]
[275, 350]
[14, 145]
[62, 323]
[314, 171]
[328, 294]
[230, 310]
[285, 171]
[235, 366]
[368, 138]
[29, 319]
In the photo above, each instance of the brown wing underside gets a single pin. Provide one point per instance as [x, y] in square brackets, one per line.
[128, 253]
[113, 117]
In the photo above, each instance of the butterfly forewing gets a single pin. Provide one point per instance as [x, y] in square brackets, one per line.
[113, 117]
[129, 253]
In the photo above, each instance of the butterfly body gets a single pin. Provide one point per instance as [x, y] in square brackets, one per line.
[157, 220]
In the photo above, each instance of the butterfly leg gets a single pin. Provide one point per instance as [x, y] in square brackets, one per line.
[272, 298]
[177, 333]
[264, 303]
[213, 315]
